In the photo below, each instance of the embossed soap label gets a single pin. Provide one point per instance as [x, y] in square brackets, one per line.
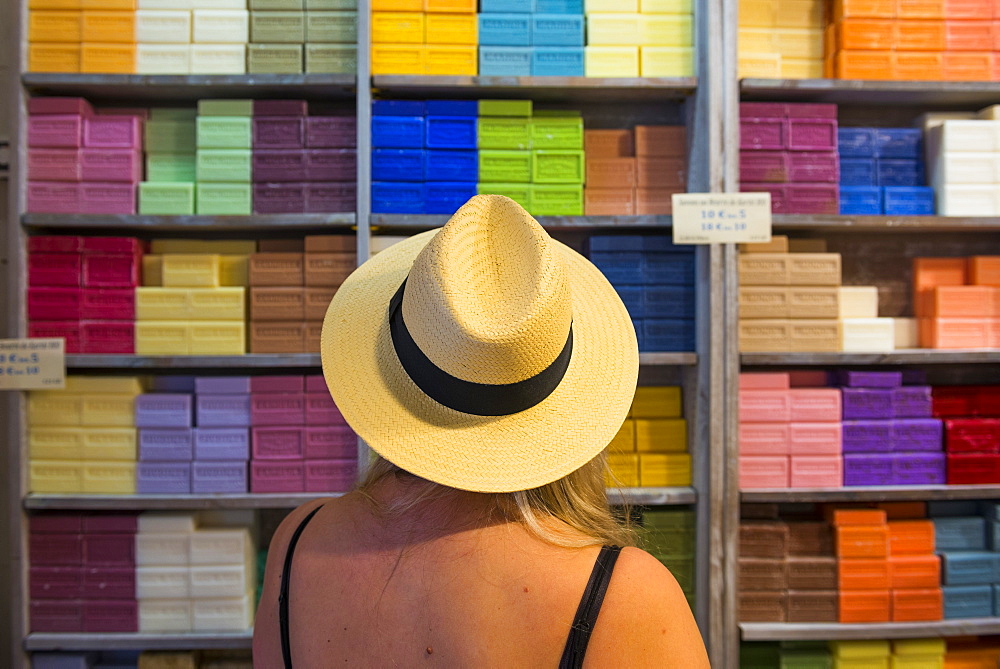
[32, 364]
[721, 218]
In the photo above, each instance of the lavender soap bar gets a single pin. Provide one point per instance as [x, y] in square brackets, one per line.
[221, 443]
[864, 469]
[223, 410]
[912, 402]
[165, 444]
[163, 410]
[917, 434]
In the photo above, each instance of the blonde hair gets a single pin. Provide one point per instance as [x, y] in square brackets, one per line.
[579, 500]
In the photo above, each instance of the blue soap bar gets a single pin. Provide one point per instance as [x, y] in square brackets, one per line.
[452, 107]
[962, 533]
[858, 172]
[669, 302]
[900, 172]
[398, 108]
[967, 601]
[619, 267]
[968, 567]
[898, 142]
[506, 6]
[397, 132]
[451, 132]
[557, 30]
[390, 197]
[559, 6]
[397, 165]
[860, 200]
[631, 242]
[637, 326]
[505, 29]
[445, 197]
[557, 61]
[675, 269]
[668, 334]
[856, 142]
[451, 165]
[504, 61]
[632, 297]
[908, 201]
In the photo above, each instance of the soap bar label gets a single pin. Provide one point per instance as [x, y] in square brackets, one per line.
[32, 363]
[721, 218]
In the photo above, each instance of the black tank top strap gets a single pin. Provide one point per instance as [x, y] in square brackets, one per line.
[589, 609]
[286, 573]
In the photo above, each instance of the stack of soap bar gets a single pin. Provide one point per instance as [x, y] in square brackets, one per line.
[862, 540]
[287, 37]
[957, 301]
[220, 30]
[171, 145]
[962, 159]
[531, 38]
[81, 573]
[648, 38]
[223, 141]
[651, 449]
[82, 289]
[669, 535]
[790, 151]
[62, 38]
[655, 280]
[436, 37]
[812, 572]
[895, 653]
[763, 571]
[299, 440]
[882, 172]
[166, 443]
[967, 543]
[972, 432]
[80, 162]
[634, 171]
[781, 40]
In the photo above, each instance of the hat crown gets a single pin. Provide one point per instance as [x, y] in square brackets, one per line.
[488, 300]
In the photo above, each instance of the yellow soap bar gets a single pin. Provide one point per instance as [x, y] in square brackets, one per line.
[216, 304]
[397, 27]
[665, 6]
[934, 646]
[666, 61]
[813, 302]
[917, 662]
[611, 61]
[152, 270]
[107, 58]
[397, 58]
[190, 270]
[760, 65]
[109, 410]
[233, 270]
[217, 338]
[801, 68]
[799, 43]
[55, 26]
[120, 5]
[54, 4]
[161, 304]
[624, 439]
[451, 29]
[656, 402]
[52, 407]
[161, 338]
[452, 60]
[55, 443]
[108, 26]
[55, 476]
[104, 384]
[660, 435]
[622, 472]
[667, 30]
[815, 335]
[109, 443]
[658, 470]
[758, 14]
[764, 302]
[115, 478]
[615, 29]
[764, 269]
[799, 14]
[757, 40]
[860, 649]
[54, 57]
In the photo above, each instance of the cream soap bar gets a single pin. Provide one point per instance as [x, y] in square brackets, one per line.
[220, 26]
[162, 59]
[968, 200]
[165, 615]
[858, 302]
[218, 59]
[222, 615]
[868, 335]
[220, 581]
[162, 549]
[906, 333]
[162, 26]
[215, 547]
[166, 523]
[162, 583]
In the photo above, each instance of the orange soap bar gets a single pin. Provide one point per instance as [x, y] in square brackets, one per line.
[654, 201]
[876, 9]
[661, 172]
[918, 65]
[920, 35]
[864, 606]
[863, 541]
[957, 302]
[54, 26]
[54, 57]
[866, 34]
[955, 333]
[108, 26]
[911, 537]
[608, 143]
[968, 65]
[920, 9]
[858, 517]
[969, 35]
[968, 9]
[864, 64]
[862, 574]
[984, 270]
[664, 141]
[931, 272]
[914, 571]
[611, 172]
[608, 201]
[106, 58]
[914, 605]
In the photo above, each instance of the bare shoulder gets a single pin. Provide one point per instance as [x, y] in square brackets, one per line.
[645, 620]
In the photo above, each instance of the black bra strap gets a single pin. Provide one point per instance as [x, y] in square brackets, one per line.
[286, 572]
[589, 609]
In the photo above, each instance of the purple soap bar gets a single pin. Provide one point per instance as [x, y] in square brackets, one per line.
[862, 403]
[912, 402]
[766, 134]
[279, 198]
[172, 384]
[277, 384]
[219, 477]
[277, 476]
[109, 131]
[867, 469]
[812, 198]
[769, 166]
[112, 165]
[918, 434]
[332, 197]
[55, 582]
[163, 410]
[55, 550]
[280, 107]
[763, 109]
[109, 582]
[279, 165]
[812, 134]
[278, 132]
[54, 165]
[221, 385]
[331, 165]
[107, 198]
[56, 131]
[779, 194]
[221, 443]
[222, 410]
[56, 615]
[111, 523]
[277, 409]
[321, 410]
[333, 442]
[811, 110]
[918, 468]
[116, 550]
[867, 436]
[107, 304]
[331, 132]
[278, 443]
[330, 475]
[112, 615]
[53, 197]
[315, 383]
[167, 444]
[55, 523]
[814, 167]
[38, 106]
[860, 379]
[914, 377]
[171, 478]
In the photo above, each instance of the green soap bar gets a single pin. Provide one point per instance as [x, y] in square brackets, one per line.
[520, 193]
[331, 27]
[274, 58]
[225, 132]
[279, 5]
[556, 132]
[225, 199]
[278, 27]
[167, 199]
[222, 165]
[170, 167]
[331, 59]
[504, 132]
[225, 107]
[555, 166]
[759, 655]
[332, 4]
[172, 114]
[169, 136]
[505, 166]
[505, 107]
[556, 201]
[805, 659]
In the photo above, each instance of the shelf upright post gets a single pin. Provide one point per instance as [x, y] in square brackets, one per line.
[363, 208]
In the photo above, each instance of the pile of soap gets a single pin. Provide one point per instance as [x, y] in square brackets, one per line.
[651, 448]
[882, 172]
[435, 37]
[634, 170]
[957, 301]
[781, 39]
[895, 653]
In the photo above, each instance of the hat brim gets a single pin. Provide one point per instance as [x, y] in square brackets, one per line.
[478, 453]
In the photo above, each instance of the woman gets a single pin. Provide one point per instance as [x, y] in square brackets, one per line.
[488, 366]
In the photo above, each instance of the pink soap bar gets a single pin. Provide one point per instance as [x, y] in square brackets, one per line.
[763, 134]
[814, 405]
[330, 475]
[55, 269]
[107, 198]
[769, 166]
[817, 471]
[112, 164]
[765, 406]
[53, 197]
[763, 109]
[109, 549]
[56, 131]
[812, 198]
[107, 304]
[55, 582]
[813, 167]
[111, 245]
[332, 442]
[277, 409]
[140, 112]
[55, 244]
[277, 384]
[59, 105]
[321, 410]
[110, 271]
[764, 439]
[107, 131]
[807, 378]
[107, 337]
[54, 164]
[56, 615]
[111, 523]
[109, 582]
[110, 615]
[815, 438]
[812, 134]
[68, 330]
[779, 194]
[55, 523]
[811, 110]
[277, 443]
[764, 471]
[764, 381]
[277, 476]
[55, 550]
[54, 304]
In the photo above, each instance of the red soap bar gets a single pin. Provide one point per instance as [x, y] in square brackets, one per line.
[56, 523]
[110, 271]
[111, 615]
[107, 337]
[953, 401]
[988, 401]
[54, 269]
[110, 549]
[54, 304]
[68, 330]
[973, 468]
[107, 304]
[117, 245]
[55, 550]
[111, 523]
[55, 244]
[981, 435]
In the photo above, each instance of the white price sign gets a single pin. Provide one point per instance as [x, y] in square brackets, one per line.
[722, 218]
[28, 364]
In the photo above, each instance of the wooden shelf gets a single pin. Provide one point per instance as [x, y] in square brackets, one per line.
[138, 641]
[539, 88]
[871, 494]
[902, 357]
[907, 224]
[859, 631]
[191, 224]
[428, 221]
[970, 94]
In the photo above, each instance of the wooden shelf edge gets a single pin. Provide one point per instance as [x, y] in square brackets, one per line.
[188, 223]
[860, 631]
[870, 494]
[901, 357]
[137, 641]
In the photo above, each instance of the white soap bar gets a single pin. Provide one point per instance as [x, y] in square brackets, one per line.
[164, 4]
[963, 167]
[162, 59]
[968, 200]
[961, 136]
[907, 332]
[219, 546]
[220, 26]
[165, 615]
[167, 549]
[162, 583]
[226, 581]
[218, 59]
[867, 335]
[166, 522]
[157, 26]
[930, 120]
[222, 615]
[991, 113]
[858, 301]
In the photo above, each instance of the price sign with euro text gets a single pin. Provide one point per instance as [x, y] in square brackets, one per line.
[32, 364]
[722, 218]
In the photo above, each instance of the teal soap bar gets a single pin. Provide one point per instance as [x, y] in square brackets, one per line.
[556, 166]
[170, 167]
[224, 199]
[166, 199]
[225, 107]
[224, 165]
[277, 27]
[173, 114]
[331, 59]
[225, 132]
[170, 136]
[331, 27]
[274, 58]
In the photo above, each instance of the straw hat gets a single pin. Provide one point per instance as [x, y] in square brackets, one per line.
[483, 355]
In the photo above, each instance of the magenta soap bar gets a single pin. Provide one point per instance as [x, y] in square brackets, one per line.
[279, 165]
[779, 194]
[55, 269]
[278, 443]
[763, 109]
[865, 379]
[110, 271]
[280, 107]
[321, 410]
[112, 245]
[107, 337]
[59, 105]
[116, 549]
[110, 131]
[55, 523]
[277, 476]
[277, 409]
[767, 134]
[331, 165]
[54, 164]
[107, 198]
[222, 410]
[812, 134]
[109, 582]
[277, 384]
[221, 385]
[111, 523]
[813, 167]
[163, 410]
[221, 443]
[812, 198]
[55, 582]
[764, 166]
[331, 132]
[107, 304]
[333, 442]
[165, 478]
[55, 550]
[811, 110]
[815, 438]
[279, 198]
[53, 197]
[111, 615]
[166, 444]
[862, 403]
[56, 131]
[55, 244]
[54, 304]
[814, 405]
[219, 477]
[51, 615]
[765, 439]
[330, 475]
[331, 197]
[315, 383]
[112, 165]
[278, 132]
[68, 330]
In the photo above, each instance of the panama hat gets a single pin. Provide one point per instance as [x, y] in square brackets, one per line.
[483, 355]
